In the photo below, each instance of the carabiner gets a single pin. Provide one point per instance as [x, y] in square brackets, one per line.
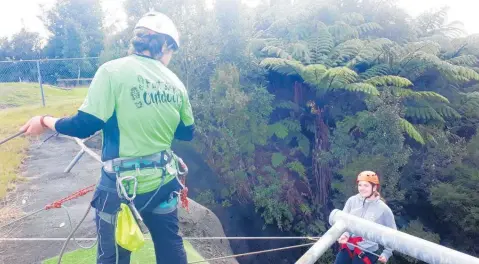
[122, 187]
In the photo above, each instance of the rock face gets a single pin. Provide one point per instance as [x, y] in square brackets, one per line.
[201, 222]
[46, 182]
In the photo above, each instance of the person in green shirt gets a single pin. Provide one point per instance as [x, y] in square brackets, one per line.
[141, 106]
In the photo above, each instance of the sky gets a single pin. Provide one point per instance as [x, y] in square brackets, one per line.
[17, 13]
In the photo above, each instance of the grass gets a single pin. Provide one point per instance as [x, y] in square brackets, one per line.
[24, 101]
[144, 255]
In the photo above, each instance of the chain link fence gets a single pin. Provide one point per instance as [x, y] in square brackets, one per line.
[63, 73]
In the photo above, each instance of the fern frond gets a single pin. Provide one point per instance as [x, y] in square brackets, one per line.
[304, 144]
[300, 52]
[313, 74]
[447, 111]
[286, 105]
[467, 60]
[292, 125]
[287, 67]
[256, 45]
[401, 92]
[389, 80]
[424, 113]
[352, 18]
[320, 45]
[368, 27]
[346, 51]
[338, 77]
[297, 167]
[342, 32]
[411, 131]
[376, 70]
[273, 51]
[362, 87]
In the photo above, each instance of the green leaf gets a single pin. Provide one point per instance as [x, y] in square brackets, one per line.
[283, 66]
[277, 159]
[362, 87]
[304, 145]
[411, 131]
[278, 129]
[418, 95]
[297, 167]
[389, 80]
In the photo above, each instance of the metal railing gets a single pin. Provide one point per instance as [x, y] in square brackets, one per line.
[399, 241]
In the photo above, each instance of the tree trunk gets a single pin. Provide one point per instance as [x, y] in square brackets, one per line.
[321, 169]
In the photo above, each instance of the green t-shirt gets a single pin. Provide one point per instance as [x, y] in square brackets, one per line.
[141, 101]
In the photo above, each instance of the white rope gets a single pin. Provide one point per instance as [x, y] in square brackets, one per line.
[252, 253]
[34, 239]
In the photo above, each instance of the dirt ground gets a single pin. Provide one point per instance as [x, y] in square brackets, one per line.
[46, 182]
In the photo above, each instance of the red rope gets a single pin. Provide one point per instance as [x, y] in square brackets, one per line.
[75, 195]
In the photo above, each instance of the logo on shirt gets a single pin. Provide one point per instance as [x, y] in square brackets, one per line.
[147, 93]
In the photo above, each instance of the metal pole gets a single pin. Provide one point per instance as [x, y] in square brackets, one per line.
[74, 161]
[410, 245]
[323, 244]
[40, 82]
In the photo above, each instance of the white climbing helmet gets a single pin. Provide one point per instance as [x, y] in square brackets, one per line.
[159, 23]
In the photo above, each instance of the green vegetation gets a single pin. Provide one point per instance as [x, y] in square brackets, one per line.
[24, 101]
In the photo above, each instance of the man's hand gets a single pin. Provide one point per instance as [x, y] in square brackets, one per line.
[33, 127]
[382, 259]
[343, 239]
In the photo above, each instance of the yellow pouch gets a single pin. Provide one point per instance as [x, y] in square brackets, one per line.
[127, 233]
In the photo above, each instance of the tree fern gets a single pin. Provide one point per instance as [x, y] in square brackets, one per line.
[286, 105]
[273, 51]
[338, 76]
[389, 80]
[352, 18]
[320, 45]
[465, 60]
[278, 129]
[300, 52]
[401, 92]
[424, 113]
[411, 131]
[375, 71]
[313, 74]
[283, 66]
[368, 27]
[342, 31]
[446, 111]
[346, 51]
[362, 87]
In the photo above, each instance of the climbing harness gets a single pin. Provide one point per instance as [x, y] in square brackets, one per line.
[357, 251]
[129, 225]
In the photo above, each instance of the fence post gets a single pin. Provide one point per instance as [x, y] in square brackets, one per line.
[40, 82]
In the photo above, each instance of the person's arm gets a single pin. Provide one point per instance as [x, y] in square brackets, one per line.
[186, 127]
[347, 209]
[92, 115]
[81, 125]
[387, 219]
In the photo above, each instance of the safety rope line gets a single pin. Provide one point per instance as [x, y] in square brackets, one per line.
[148, 238]
[73, 196]
[252, 253]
